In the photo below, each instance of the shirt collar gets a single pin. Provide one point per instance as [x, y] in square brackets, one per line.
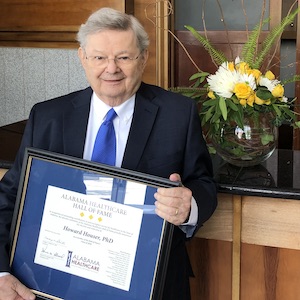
[124, 111]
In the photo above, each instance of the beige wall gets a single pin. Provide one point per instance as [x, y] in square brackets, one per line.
[31, 75]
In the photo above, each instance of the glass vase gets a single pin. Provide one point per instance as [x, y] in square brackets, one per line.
[247, 146]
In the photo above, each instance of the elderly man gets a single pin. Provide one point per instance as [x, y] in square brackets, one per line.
[157, 132]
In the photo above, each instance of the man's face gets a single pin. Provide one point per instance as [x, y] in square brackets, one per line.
[113, 65]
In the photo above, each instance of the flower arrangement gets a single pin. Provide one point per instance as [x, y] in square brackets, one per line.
[238, 95]
[240, 91]
[236, 90]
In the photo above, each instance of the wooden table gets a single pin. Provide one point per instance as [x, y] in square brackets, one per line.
[250, 248]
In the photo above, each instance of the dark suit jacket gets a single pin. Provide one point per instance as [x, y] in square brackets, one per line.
[165, 137]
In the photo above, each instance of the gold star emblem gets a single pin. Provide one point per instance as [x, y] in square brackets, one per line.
[82, 214]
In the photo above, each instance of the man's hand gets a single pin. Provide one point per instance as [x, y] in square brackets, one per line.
[12, 289]
[173, 204]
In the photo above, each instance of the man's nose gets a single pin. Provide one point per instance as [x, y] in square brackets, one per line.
[112, 65]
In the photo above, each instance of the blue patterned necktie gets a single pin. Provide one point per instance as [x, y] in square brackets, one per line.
[105, 144]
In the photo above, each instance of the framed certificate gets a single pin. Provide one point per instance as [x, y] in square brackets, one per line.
[82, 230]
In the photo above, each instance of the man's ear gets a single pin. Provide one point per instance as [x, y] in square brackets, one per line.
[145, 57]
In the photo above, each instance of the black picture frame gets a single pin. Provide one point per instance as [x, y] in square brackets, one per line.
[42, 169]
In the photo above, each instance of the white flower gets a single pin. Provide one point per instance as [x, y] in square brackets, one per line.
[237, 60]
[269, 84]
[223, 81]
[249, 79]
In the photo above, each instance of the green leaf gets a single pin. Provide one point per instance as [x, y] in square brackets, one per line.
[232, 105]
[209, 113]
[199, 74]
[266, 138]
[273, 37]
[202, 79]
[217, 56]
[249, 50]
[277, 110]
[263, 94]
[223, 107]
[211, 149]
[238, 117]
[216, 116]
[210, 102]
[288, 112]
[292, 79]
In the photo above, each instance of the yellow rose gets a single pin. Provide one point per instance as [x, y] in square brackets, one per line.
[270, 75]
[250, 100]
[243, 102]
[256, 73]
[243, 67]
[278, 91]
[242, 90]
[231, 66]
[211, 95]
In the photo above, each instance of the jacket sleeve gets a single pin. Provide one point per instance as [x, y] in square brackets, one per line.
[197, 174]
[8, 193]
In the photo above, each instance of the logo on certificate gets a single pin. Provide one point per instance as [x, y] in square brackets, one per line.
[69, 258]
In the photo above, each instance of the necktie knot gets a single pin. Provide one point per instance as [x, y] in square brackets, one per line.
[110, 116]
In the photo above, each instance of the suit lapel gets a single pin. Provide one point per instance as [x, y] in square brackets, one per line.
[75, 124]
[143, 119]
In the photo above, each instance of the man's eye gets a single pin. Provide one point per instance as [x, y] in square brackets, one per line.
[123, 58]
[100, 58]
